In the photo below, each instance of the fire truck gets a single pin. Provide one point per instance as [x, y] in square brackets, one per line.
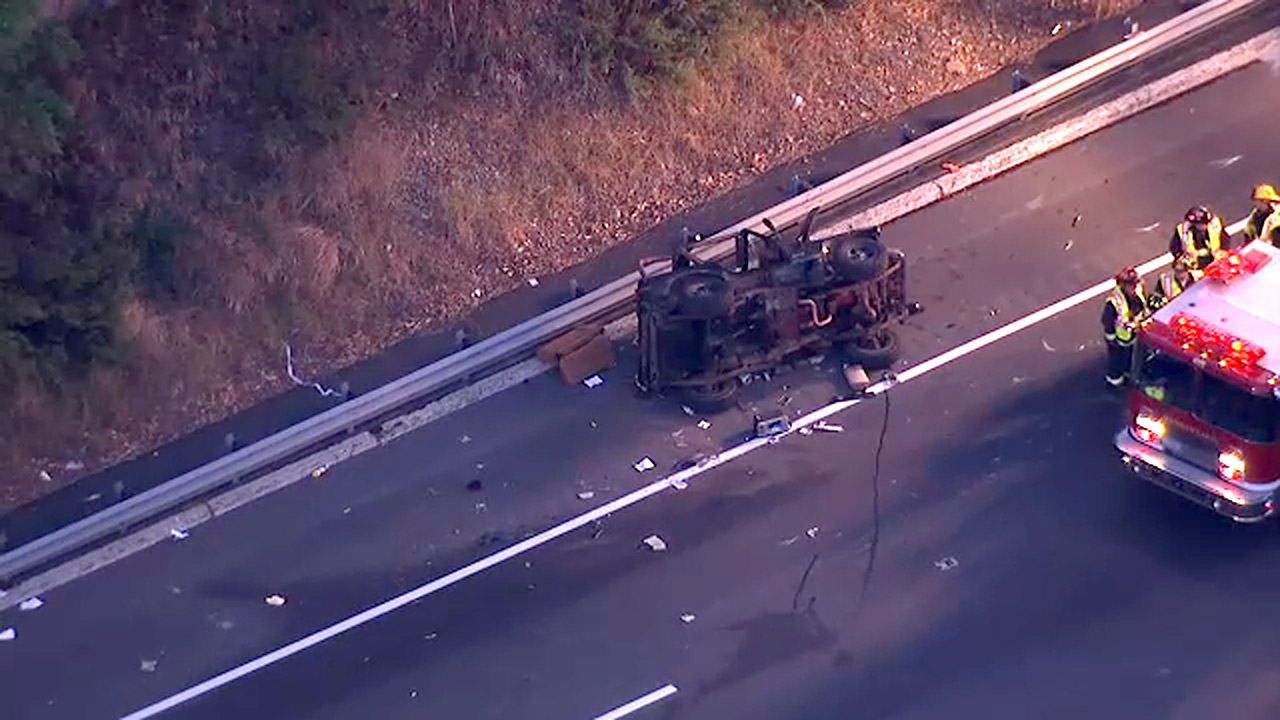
[1202, 416]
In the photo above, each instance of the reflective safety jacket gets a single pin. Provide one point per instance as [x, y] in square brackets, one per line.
[1201, 252]
[1119, 315]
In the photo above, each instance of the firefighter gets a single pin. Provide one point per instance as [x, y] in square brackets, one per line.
[1120, 314]
[1200, 237]
[1171, 284]
[1264, 220]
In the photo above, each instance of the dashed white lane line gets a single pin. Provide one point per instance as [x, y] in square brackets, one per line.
[630, 499]
[641, 702]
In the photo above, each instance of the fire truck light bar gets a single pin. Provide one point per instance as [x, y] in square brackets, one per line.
[1229, 351]
[1235, 263]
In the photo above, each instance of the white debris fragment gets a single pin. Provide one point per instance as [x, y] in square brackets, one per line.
[824, 426]
[1224, 163]
[464, 439]
[319, 471]
[73, 465]
[1068, 245]
[1018, 380]
[644, 464]
[413, 693]
[593, 381]
[346, 510]
[946, 563]
[1056, 29]
[586, 494]
[806, 430]
[704, 424]
[179, 534]
[8, 634]
[688, 618]
[812, 532]
[45, 476]
[477, 292]
[679, 484]
[789, 541]
[149, 666]
[31, 603]
[1149, 228]
[430, 636]
[276, 600]
[1047, 346]
[655, 543]
[687, 410]
[797, 102]
[481, 507]
[817, 359]
[533, 282]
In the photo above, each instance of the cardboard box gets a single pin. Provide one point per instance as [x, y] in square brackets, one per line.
[593, 357]
[551, 351]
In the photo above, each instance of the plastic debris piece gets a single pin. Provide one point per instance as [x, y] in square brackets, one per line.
[789, 541]
[533, 282]
[464, 439]
[655, 543]
[179, 534]
[687, 410]
[481, 507]
[1047, 346]
[8, 634]
[319, 471]
[679, 484]
[1227, 162]
[946, 563]
[1068, 245]
[593, 381]
[31, 603]
[951, 167]
[688, 618]
[797, 102]
[1076, 220]
[1056, 29]
[644, 464]
[477, 292]
[149, 666]
[276, 600]
[806, 430]
[704, 424]
[812, 532]
[45, 476]
[824, 426]
[93, 497]
[586, 494]
[1149, 228]
[430, 636]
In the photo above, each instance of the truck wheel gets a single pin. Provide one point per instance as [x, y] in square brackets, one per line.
[701, 294]
[711, 398]
[877, 350]
[859, 257]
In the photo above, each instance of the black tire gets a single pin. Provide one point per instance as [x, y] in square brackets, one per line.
[859, 257]
[877, 350]
[711, 398]
[701, 294]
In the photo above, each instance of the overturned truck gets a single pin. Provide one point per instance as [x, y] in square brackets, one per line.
[705, 325]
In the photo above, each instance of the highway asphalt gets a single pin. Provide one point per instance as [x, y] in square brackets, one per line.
[1019, 572]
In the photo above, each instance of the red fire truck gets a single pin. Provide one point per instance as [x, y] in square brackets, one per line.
[1203, 412]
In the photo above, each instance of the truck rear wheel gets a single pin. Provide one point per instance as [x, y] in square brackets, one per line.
[711, 398]
[859, 257]
[876, 350]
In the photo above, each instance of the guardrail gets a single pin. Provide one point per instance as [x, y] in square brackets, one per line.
[609, 298]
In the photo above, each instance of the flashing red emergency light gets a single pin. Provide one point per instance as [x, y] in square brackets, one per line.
[1228, 350]
[1235, 263]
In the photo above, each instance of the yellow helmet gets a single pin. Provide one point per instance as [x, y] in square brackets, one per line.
[1266, 193]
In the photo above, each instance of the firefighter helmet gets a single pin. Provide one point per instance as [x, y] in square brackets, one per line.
[1266, 193]
[1199, 215]
[1127, 276]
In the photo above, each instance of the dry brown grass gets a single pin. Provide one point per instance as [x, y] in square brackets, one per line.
[435, 194]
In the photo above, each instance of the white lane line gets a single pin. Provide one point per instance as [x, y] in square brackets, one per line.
[640, 702]
[625, 501]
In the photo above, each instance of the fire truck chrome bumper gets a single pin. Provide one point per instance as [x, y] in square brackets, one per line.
[1193, 483]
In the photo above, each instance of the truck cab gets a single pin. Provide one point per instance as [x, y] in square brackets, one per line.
[1202, 415]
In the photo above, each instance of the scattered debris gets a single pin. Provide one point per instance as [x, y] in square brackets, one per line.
[533, 282]
[477, 292]
[812, 532]
[1056, 29]
[593, 381]
[8, 634]
[319, 471]
[593, 424]
[225, 624]
[481, 507]
[806, 430]
[149, 666]
[179, 534]
[1075, 220]
[31, 603]
[45, 476]
[687, 410]
[430, 636]
[288, 368]
[73, 465]
[704, 424]
[817, 359]
[475, 486]
[797, 102]
[951, 167]
[1047, 346]
[773, 426]
[413, 693]
[1149, 228]
[93, 497]
[679, 484]
[655, 543]
[464, 439]
[688, 618]
[824, 426]
[586, 494]
[789, 541]
[946, 563]
[276, 600]
[644, 464]
[1068, 245]
[784, 400]
[1225, 163]
[1018, 380]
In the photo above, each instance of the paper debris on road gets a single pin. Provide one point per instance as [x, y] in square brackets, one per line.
[1149, 228]
[825, 426]
[8, 634]
[946, 563]
[655, 543]
[1047, 346]
[1226, 162]
[31, 603]
[149, 665]
[679, 484]
[593, 381]
[464, 439]
[533, 282]
[644, 464]
[276, 600]
[688, 617]
[806, 430]
[586, 494]
[179, 534]
[812, 532]
[789, 541]
[45, 476]
[704, 424]
[687, 410]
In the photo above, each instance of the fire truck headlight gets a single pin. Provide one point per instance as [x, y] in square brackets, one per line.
[1149, 429]
[1231, 465]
